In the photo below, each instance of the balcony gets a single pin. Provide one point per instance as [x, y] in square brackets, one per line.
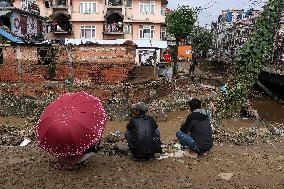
[113, 29]
[61, 23]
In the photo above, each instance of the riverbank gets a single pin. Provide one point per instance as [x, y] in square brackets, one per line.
[246, 165]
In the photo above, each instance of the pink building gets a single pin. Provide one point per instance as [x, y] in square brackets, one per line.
[103, 19]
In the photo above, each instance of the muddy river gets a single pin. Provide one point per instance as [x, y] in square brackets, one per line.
[269, 110]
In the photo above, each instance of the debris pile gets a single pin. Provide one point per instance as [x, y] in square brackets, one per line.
[117, 109]
[249, 135]
[12, 105]
[14, 135]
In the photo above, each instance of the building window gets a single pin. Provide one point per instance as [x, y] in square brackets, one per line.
[129, 3]
[44, 55]
[147, 7]
[88, 31]
[163, 33]
[46, 3]
[163, 11]
[25, 3]
[88, 7]
[146, 32]
[128, 29]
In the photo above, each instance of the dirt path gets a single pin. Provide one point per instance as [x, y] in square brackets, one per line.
[255, 166]
[258, 166]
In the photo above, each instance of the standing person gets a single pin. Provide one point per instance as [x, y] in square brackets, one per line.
[167, 57]
[142, 133]
[196, 132]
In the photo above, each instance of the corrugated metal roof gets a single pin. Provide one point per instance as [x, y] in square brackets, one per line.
[10, 37]
[4, 12]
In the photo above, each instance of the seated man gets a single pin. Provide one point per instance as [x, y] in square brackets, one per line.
[142, 133]
[196, 132]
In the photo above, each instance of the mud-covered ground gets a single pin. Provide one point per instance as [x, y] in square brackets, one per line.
[256, 165]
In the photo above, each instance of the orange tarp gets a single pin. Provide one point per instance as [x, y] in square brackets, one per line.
[185, 51]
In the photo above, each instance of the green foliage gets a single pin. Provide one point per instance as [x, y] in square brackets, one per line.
[202, 40]
[254, 53]
[180, 22]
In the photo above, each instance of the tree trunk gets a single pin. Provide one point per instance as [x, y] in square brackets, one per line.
[175, 68]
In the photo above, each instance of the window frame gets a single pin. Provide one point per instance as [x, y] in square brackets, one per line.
[127, 29]
[163, 31]
[142, 32]
[44, 56]
[129, 3]
[85, 27]
[88, 6]
[150, 3]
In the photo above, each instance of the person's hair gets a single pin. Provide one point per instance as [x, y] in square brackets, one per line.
[195, 104]
[141, 107]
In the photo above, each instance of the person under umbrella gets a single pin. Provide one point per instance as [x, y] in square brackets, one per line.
[71, 127]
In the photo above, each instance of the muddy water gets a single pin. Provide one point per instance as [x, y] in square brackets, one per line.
[269, 110]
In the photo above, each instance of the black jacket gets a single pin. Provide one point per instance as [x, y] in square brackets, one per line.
[198, 126]
[142, 130]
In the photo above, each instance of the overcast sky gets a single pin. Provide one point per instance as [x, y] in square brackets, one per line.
[215, 7]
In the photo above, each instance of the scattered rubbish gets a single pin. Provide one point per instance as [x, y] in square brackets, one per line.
[226, 176]
[25, 142]
[177, 154]
[113, 137]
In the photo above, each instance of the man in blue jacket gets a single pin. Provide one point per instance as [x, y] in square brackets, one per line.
[142, 133]
[196, 132]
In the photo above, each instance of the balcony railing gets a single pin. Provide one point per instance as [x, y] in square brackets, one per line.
[59, 30]
[114, 29]
[60, 5]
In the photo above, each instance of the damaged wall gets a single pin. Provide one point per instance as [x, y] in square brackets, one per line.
[90, 64]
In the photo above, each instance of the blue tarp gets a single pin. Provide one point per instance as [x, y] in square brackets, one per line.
[10, 37]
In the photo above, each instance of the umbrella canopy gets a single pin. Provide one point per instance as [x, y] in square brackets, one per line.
[71, 124]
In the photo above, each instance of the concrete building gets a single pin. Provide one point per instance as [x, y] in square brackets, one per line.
[103, 19]
[231, 31]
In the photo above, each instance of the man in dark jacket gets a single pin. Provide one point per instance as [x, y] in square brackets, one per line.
[196, 132]
[142, 133]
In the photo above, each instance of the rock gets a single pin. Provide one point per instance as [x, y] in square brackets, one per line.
[177, 146]
[180, 161]
[226, 176]
[263, 131]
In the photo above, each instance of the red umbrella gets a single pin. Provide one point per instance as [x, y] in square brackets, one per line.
[71, 124]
